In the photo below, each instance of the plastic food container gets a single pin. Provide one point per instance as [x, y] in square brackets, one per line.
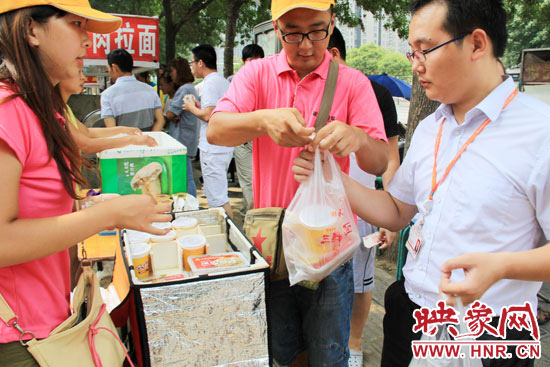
[192, 244]
[184, 226]
[137, 236]
[170, 236]
[141, 259]
[204, 264]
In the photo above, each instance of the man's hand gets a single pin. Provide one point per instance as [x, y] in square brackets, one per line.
[385, 237]
[303, 165]
[339, 138]
[286, 127]
[482, 270]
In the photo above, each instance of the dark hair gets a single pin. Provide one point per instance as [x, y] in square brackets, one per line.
[467, 15]
[183, 71]
[336, 40]
[207, 54]
[252, 51]
[29, 82]
[122, 59]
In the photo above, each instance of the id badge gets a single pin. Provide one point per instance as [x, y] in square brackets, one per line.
[414, 242]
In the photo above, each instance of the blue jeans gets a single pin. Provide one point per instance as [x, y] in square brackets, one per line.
[314, 321]
[191, 188]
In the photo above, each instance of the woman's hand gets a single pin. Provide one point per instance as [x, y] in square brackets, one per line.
[139, 212]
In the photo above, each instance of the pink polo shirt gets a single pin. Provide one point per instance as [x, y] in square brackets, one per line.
[37, 291]
[271, 83]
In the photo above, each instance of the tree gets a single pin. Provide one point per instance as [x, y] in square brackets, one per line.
[187, 12]
[524, 32]
[372, 59]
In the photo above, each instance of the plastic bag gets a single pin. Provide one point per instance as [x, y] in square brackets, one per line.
[443, 335]
[319, 230]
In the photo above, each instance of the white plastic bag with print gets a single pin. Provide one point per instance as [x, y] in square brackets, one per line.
[443, 336]
[319, 230]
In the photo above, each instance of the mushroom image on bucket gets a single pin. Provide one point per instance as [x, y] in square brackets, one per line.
[148, 179]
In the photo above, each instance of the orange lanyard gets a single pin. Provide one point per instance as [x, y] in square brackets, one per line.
[435, 183]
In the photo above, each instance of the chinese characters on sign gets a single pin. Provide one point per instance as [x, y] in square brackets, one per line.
[477, 320]
[137, 35]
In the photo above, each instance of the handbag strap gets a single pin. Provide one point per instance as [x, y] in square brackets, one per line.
[11, 320]
[328, 96]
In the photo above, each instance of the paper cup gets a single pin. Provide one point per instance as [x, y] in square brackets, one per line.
[318, 225]
[141, 259]
[192, 244]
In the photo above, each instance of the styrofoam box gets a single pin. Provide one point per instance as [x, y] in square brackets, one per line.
[138, 169]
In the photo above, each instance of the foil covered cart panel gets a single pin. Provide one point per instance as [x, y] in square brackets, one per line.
[218, 322]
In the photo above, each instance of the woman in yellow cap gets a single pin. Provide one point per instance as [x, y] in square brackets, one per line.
[41, 43]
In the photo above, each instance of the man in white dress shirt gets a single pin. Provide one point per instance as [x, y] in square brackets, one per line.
[494, 198]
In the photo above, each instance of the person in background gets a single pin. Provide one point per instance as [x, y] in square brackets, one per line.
[94, 140]
[274, 101]
[129, 102]
[145, 77]
[476, 173]
[363, 261]
[186, 123]
[215, 159]
[243, 152]
[168, 88]
[40, 46]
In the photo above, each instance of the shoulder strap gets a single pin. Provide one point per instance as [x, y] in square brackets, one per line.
[6, 313]
[328, 96]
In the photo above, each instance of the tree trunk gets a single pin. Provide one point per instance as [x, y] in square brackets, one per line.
[170, 33]
[419, 109]
[172, 28]
[232, 7]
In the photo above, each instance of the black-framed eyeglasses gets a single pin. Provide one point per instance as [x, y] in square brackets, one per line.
[191, 62]
[420, 55]
[297, 37]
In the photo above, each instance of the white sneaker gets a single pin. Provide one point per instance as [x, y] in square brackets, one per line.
[355, 358]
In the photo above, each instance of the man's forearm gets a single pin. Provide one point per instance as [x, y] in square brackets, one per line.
[378, 207]
[109, 122]
[372, 156]
[203, 114]
[393, 161]
[531, 265]
[232, 129]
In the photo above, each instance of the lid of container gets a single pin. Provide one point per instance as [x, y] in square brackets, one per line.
[138, 237]
[139, 249]
[184, 223]
[171, 235]
[317, 217]
[161, 225]
[167, 145]
[192, 241]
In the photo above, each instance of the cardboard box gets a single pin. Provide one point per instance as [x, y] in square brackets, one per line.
[139, 169]
[181, 318]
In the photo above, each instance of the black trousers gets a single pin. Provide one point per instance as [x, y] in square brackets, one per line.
[398, 335]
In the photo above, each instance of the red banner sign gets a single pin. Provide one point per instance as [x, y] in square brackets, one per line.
[138, 35]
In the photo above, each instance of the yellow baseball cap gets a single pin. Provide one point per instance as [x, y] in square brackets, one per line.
[280, 7]
[98, 21]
